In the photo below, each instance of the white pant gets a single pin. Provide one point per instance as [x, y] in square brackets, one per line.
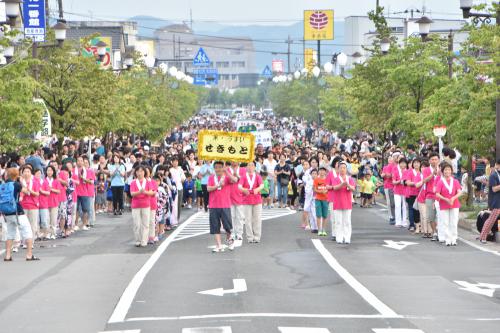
[238, 220]
[331, 217]
[253, 222]
[343, 225]
[141, 217]
[152, 223]
[310, 208]
[401, 210]
[448, 218]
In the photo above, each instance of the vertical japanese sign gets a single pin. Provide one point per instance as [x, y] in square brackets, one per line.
[91, 50]
[34, 19]
[318, 25]
[226, 146]
[46, 131]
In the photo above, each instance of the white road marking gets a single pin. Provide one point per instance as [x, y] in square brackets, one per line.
[127, 331]
[2, 252]
[303, 330]
[263, 315]
[121, 309]
[479, 247]
[240, 286]
[485, 289]
[222, 329]
[396, 330]
[397, 245]
[200, 225]
[355, 284]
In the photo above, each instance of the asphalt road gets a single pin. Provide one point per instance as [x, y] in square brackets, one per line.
[291, 282]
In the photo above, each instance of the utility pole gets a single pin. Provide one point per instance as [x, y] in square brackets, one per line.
[319, 54]
[61, 11]
[174, 55]
[289, 42]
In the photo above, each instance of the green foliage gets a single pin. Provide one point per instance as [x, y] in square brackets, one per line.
[299, 98]
[338, 116]
[20, 117]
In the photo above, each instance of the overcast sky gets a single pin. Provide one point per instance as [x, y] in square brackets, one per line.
[247, 12]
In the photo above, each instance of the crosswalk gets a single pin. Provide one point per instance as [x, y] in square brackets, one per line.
[227, 329]
[199, 223]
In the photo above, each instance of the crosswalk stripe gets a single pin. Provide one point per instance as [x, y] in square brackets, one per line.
[303, 330]
[222, 329]
[396, 330]
[200, 225]
[126, 331]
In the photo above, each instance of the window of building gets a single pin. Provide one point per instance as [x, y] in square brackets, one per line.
[222, 64]
[238, 64]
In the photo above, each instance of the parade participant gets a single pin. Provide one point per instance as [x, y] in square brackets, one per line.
[430, 175]
[178, 177]
[283, 173]
[411, 177]
[389, 189]
[401, 209]
[205, 171]
[310, 201]
[29, 198]
[343, 187]
[153, 187]
[82, 197]
[448, 191]
[14, 215]
[236, 173]
[141, 206]
[270, 165]
[422, 208]
[219, 186]
[332, 174]
[493, 202]
[250, 186]
[49, 195]
[117, 172]
[90, 186]
[321, 201]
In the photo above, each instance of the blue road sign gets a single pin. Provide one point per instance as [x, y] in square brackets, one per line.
[201, 58]
[34, 19]
[206, 76]
[267, 72]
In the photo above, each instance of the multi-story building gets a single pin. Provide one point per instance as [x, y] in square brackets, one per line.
[360, 32]
[116, 34]
[233, 57]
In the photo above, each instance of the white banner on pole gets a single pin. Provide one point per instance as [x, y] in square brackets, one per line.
[263, 137]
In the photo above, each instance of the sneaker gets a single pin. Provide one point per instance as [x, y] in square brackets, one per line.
[85, 228]
[230, 244]
[190, 207]
[314, 231]
[434, 238]
[483, 242]
[137, 244]
[156, 239]
[76, 228]
[15, 249]
[218, 249]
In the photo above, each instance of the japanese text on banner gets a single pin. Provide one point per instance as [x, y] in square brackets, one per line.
[226, 146]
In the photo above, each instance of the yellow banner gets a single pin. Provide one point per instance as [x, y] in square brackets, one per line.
[318, 25]
[310, 58]
[226, 146]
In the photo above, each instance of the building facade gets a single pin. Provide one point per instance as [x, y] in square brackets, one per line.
[233, 57]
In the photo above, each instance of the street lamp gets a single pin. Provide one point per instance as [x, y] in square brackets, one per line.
[424, 26]
[328, 67]
[316, 71]
[8, 53]
[385, 45]
[342, 61]
[101, 50]
[296, 75]
[60, 29]
[12, 10]
[440, 132]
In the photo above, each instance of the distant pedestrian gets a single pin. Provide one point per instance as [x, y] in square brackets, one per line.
[493, 201]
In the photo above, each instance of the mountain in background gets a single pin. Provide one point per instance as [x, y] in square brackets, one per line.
[268, 39]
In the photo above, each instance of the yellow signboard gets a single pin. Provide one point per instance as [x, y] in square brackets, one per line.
[226, 146]
[310, 58]
[318, 25]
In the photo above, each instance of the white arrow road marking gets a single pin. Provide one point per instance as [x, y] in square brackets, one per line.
[240, 285]
[303, 330]
[397, 245]
[222, 329]
[396, 330]
[486, 289]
